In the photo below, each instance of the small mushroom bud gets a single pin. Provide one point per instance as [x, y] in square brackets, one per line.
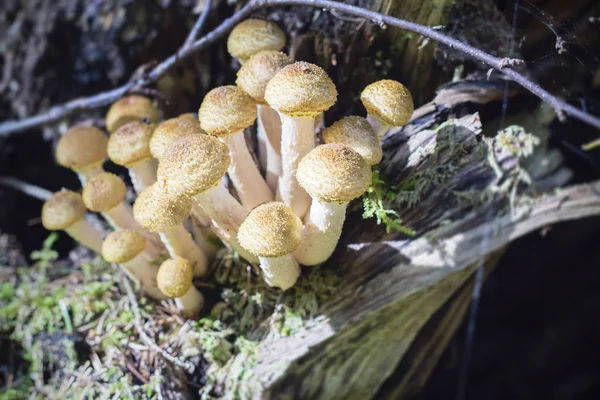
[129, 146]
[254, 35]
[334, 175]
[252, 79]
[172, 129]
[272, 232]
[158, 212]
[298, 92]
[357, 133]
[127, 249]
[174, 279]
[225, 112]
[388, 104]
[131, 109]
[65, 211]
[82, 149]
[194, 166]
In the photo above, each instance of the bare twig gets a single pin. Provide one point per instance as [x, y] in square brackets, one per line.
[135, 308]
[500, 64]
[27, 188]
[199, 24]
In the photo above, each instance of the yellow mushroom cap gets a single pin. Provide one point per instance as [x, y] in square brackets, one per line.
[356, 132]
[122, 246]
[130, 143]
[171, 130]
[62, 210]
[174, 277]
[271, 230]
[82, 147]
[334, 173]
[254, 35]
[301, 89]
[193, 164]
[103, 192]
[254, 75]
[389, 101]
[156, 211]
[226, 110]
[130, 109]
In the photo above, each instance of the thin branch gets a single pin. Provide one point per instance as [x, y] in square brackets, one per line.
[199, 24]
[501, 64]
[27, 188]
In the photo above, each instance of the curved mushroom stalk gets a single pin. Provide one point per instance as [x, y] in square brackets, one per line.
[142, 174]
[83, 232]
[321, 232]
[192, 301]
[281, 272]
[179, 243]
[144, 272]
[379, 127]
[268, 131]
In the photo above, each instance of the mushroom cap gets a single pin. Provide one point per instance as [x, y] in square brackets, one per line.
[301, 89]
[82, 147]
[271, 230]
[254, 35]
[103, 192]
[174, 277]
[122, 246]
[389, 101]
[130, 109]
[226, 110]
[130, 143]
[356, 132]
[62, 210]
[172, 129]
[334, 173]
[157, 211]
[193, 164]
[260, 68]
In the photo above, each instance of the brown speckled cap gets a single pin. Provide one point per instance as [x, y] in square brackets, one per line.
[130, 109]
[157, 211]
[122, 246]
[334, 173]
[271, 230]
[254, 35]
[171, 130]
[81, 148]
[226, 110]
[174, 277]
[103, 192]
[254, 75]
[388, 101]
[356, 132]
[301, 89]
[130, 143]
[62, 210]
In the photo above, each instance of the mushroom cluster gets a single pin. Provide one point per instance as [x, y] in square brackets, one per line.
[284, 208]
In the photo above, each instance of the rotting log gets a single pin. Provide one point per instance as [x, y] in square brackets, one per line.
[401, 298]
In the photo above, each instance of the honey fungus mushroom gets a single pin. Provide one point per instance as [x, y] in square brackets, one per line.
[333, 174]
[174, 279]
[82, 149]
[172, 129]
[298, 92]
[254, 35]
[132, 108]
[388, 104]
[65, 211]
[272, 232]
[357, 133]
[225, 112]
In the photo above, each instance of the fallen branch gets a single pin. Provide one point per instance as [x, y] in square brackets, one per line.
[102, 99]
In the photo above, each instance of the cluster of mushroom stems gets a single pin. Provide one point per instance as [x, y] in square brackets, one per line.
[282, 209]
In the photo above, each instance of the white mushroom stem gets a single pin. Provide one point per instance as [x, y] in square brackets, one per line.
[281, 272]
[226, 216]
[380, 128]
[202, 231]
[268, 130]
[321, 232]
[121, 217]
[192, 301]
[142, 174]
[297, 139]
[141, 269]
[85, 175]
[83, 232]
[244, 173]
[179, 243]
